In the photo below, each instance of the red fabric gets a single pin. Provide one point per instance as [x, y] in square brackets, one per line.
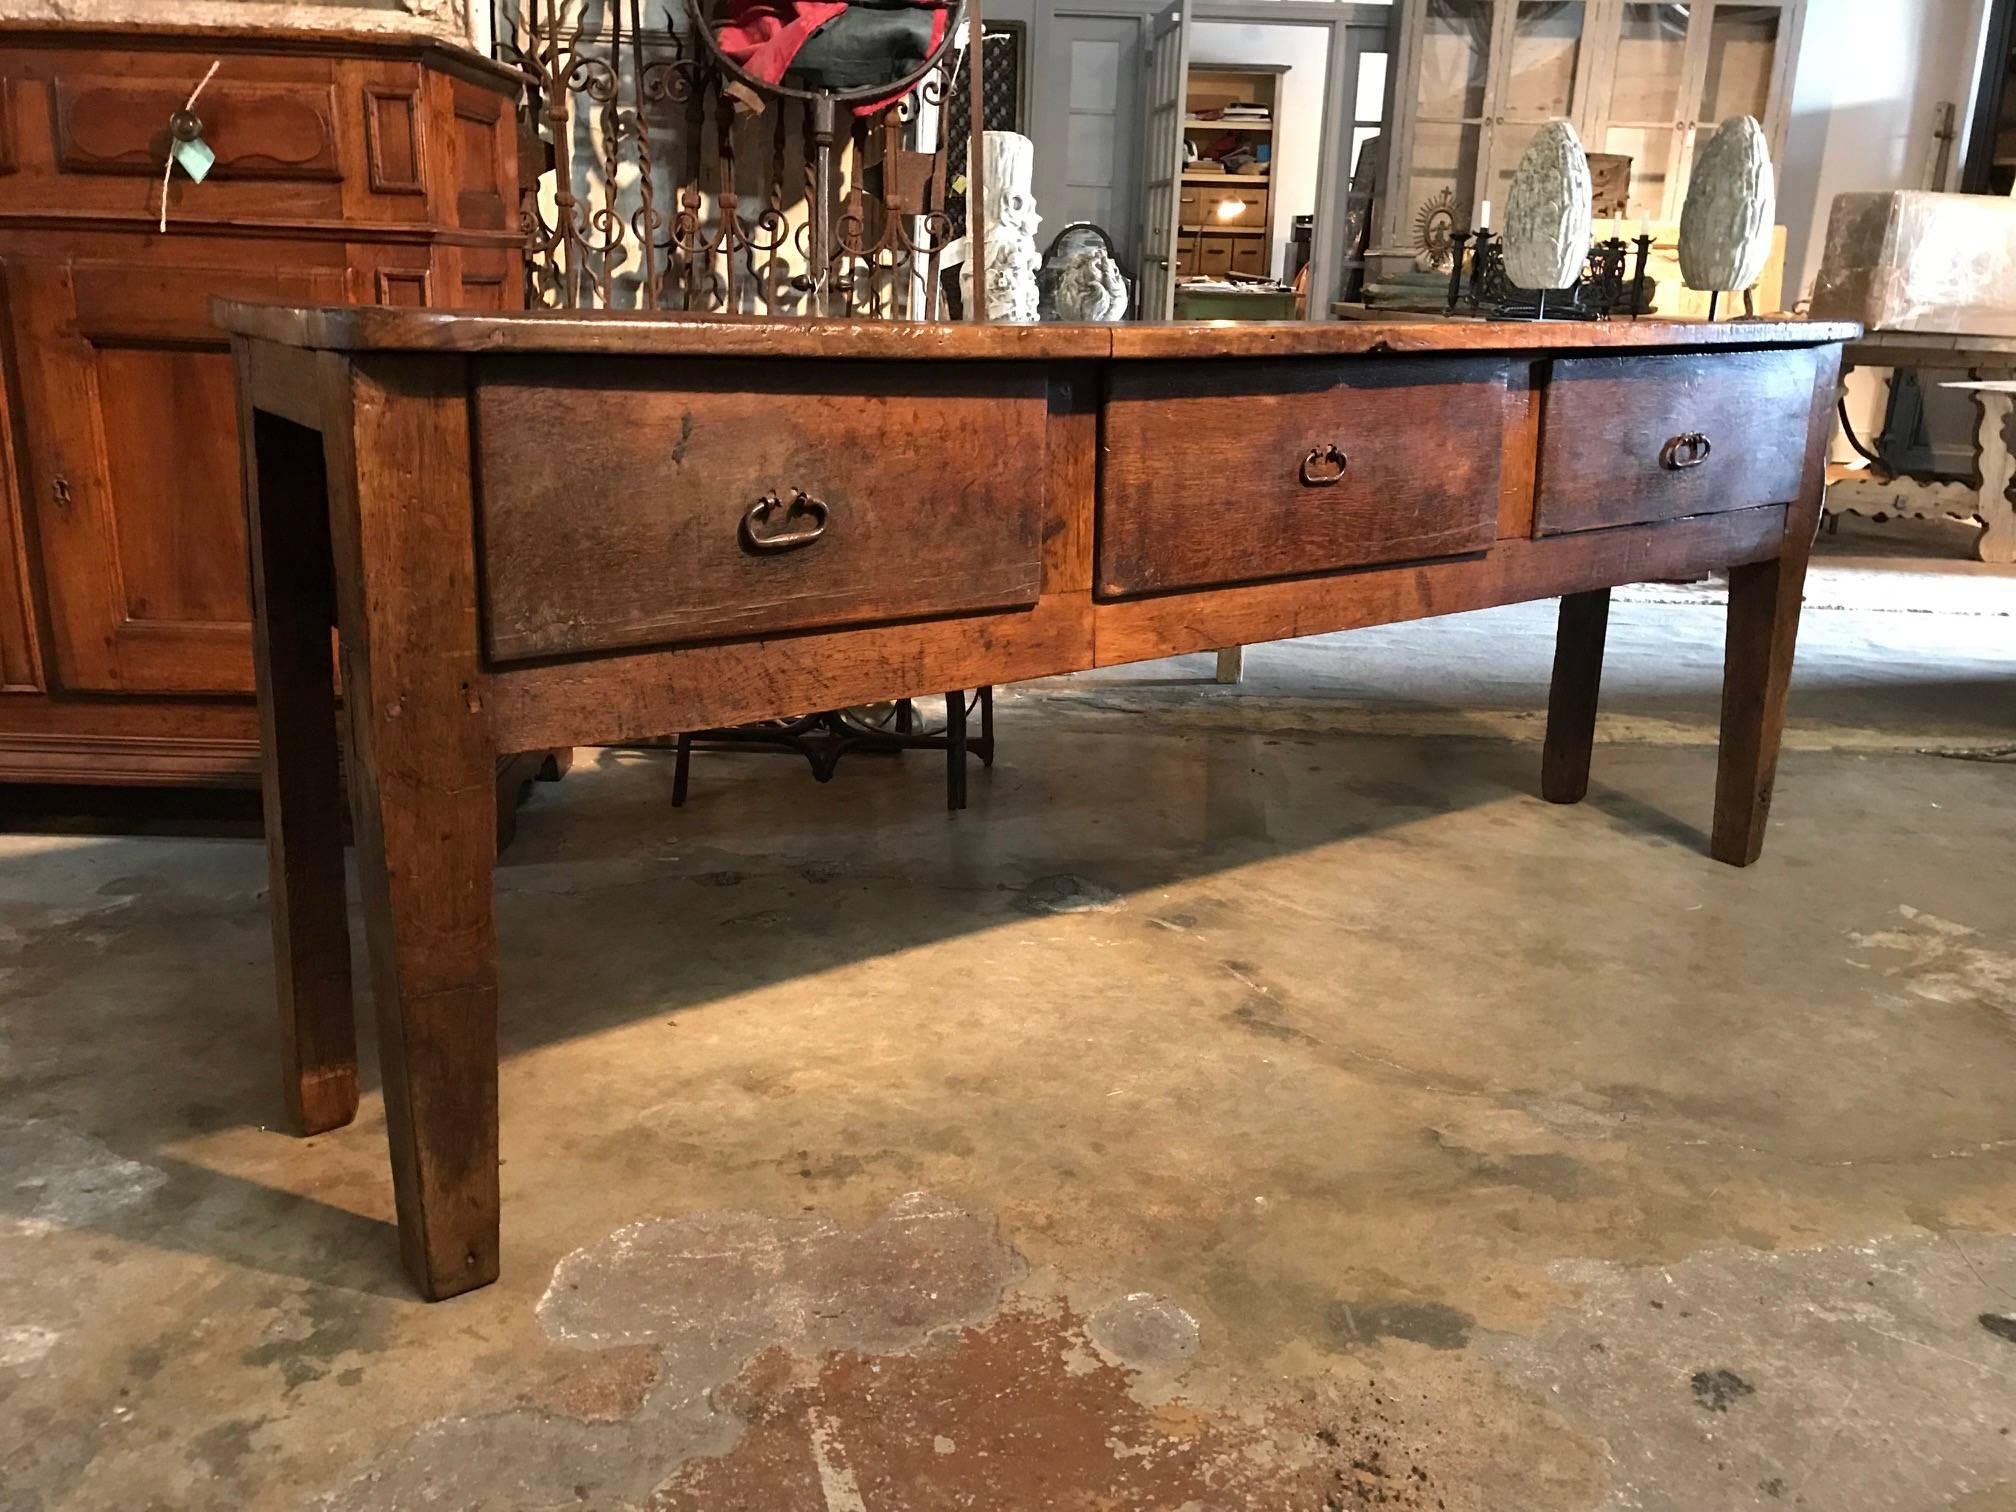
[763, 36]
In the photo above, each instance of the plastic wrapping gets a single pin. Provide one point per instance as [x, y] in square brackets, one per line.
[1910, 260]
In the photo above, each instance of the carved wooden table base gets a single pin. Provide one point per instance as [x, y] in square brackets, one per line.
[1990, 503]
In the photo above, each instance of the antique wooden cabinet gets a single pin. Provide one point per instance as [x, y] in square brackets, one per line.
[1649, 80]
[348, 169]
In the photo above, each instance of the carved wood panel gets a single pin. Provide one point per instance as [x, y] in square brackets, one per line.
[258, 131]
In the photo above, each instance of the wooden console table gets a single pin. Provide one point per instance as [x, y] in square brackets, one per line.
[538, 531]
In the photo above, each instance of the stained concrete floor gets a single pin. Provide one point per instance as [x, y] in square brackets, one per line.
[1258, 1098]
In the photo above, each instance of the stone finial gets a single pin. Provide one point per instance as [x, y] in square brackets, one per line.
[1725, 226]
[1548, 212]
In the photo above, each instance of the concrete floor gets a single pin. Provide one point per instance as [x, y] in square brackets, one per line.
[1258, 1098]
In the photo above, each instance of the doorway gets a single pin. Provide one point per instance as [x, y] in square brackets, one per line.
[1274, 168]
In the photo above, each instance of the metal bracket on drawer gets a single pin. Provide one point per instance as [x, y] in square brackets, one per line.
[802, 505]
[1324, 465]
[1688, 449]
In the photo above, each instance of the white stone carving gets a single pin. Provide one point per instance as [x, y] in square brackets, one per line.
[1007, 163]
[1725, 226]
[1090, 286]
[1548, 212]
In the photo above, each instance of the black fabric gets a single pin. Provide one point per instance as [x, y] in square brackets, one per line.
[865, 44]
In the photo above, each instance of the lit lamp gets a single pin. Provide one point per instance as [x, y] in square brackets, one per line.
[1231, 208]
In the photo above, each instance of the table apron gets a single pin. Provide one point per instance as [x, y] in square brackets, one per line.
[643, 694]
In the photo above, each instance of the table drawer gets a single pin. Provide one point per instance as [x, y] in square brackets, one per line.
[119, 125]
[1627, 440]
[1232, 472]
[634, 514]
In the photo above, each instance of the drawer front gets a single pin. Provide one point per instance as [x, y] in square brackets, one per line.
[265, 131]
[634, 515]
[1629, 440]
[1231, 472]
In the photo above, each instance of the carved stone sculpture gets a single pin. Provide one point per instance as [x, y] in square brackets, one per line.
[1548, 212]
[1725, 226]
[1090, 286]
[1010, 254]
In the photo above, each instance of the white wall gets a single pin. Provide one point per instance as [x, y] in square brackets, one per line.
[1871, 74]
[1298, 112]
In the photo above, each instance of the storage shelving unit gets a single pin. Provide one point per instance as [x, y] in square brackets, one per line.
[1226, 224]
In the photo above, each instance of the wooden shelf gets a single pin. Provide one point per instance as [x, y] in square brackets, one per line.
[1244, 246]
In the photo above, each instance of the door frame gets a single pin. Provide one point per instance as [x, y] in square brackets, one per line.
[1049, 82]
[1991, 78]
[1161, 221]
[1349, 30]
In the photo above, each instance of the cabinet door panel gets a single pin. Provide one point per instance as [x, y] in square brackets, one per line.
[132, 471]
[173, 471]
[20, 655]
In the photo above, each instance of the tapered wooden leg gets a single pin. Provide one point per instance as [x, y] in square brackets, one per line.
[955, 749]
[682, 767]
[423, 795]
[1756, 670]
[1571, 699]
[293, 609]
[1764, 601]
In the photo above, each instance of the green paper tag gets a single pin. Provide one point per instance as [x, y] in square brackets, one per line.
[195, 157]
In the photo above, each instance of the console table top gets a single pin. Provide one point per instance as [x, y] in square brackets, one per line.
[667, 334]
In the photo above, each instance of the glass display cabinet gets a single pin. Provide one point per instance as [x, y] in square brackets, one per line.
[1645, 80]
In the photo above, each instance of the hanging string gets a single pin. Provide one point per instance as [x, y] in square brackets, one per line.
[168, 168]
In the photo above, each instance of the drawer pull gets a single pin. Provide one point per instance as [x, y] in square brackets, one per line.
[1688, 449]
[757, 537]
[1324, 466]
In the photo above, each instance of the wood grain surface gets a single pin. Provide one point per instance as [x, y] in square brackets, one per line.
[1609, 429]
[293, 592]
[1764, 602]
[422, 773]
[1234, 472]
[641, 694]
[1583, 625]
[931, 484]
[663, 333]
[1511, 572]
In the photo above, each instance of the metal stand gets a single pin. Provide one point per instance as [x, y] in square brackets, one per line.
[823, 738]
[1612, 282]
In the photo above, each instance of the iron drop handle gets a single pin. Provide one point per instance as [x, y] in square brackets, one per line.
[1324, 465]
[756, 531]
[1688, 449]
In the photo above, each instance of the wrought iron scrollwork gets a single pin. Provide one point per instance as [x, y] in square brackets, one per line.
[662, 191]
